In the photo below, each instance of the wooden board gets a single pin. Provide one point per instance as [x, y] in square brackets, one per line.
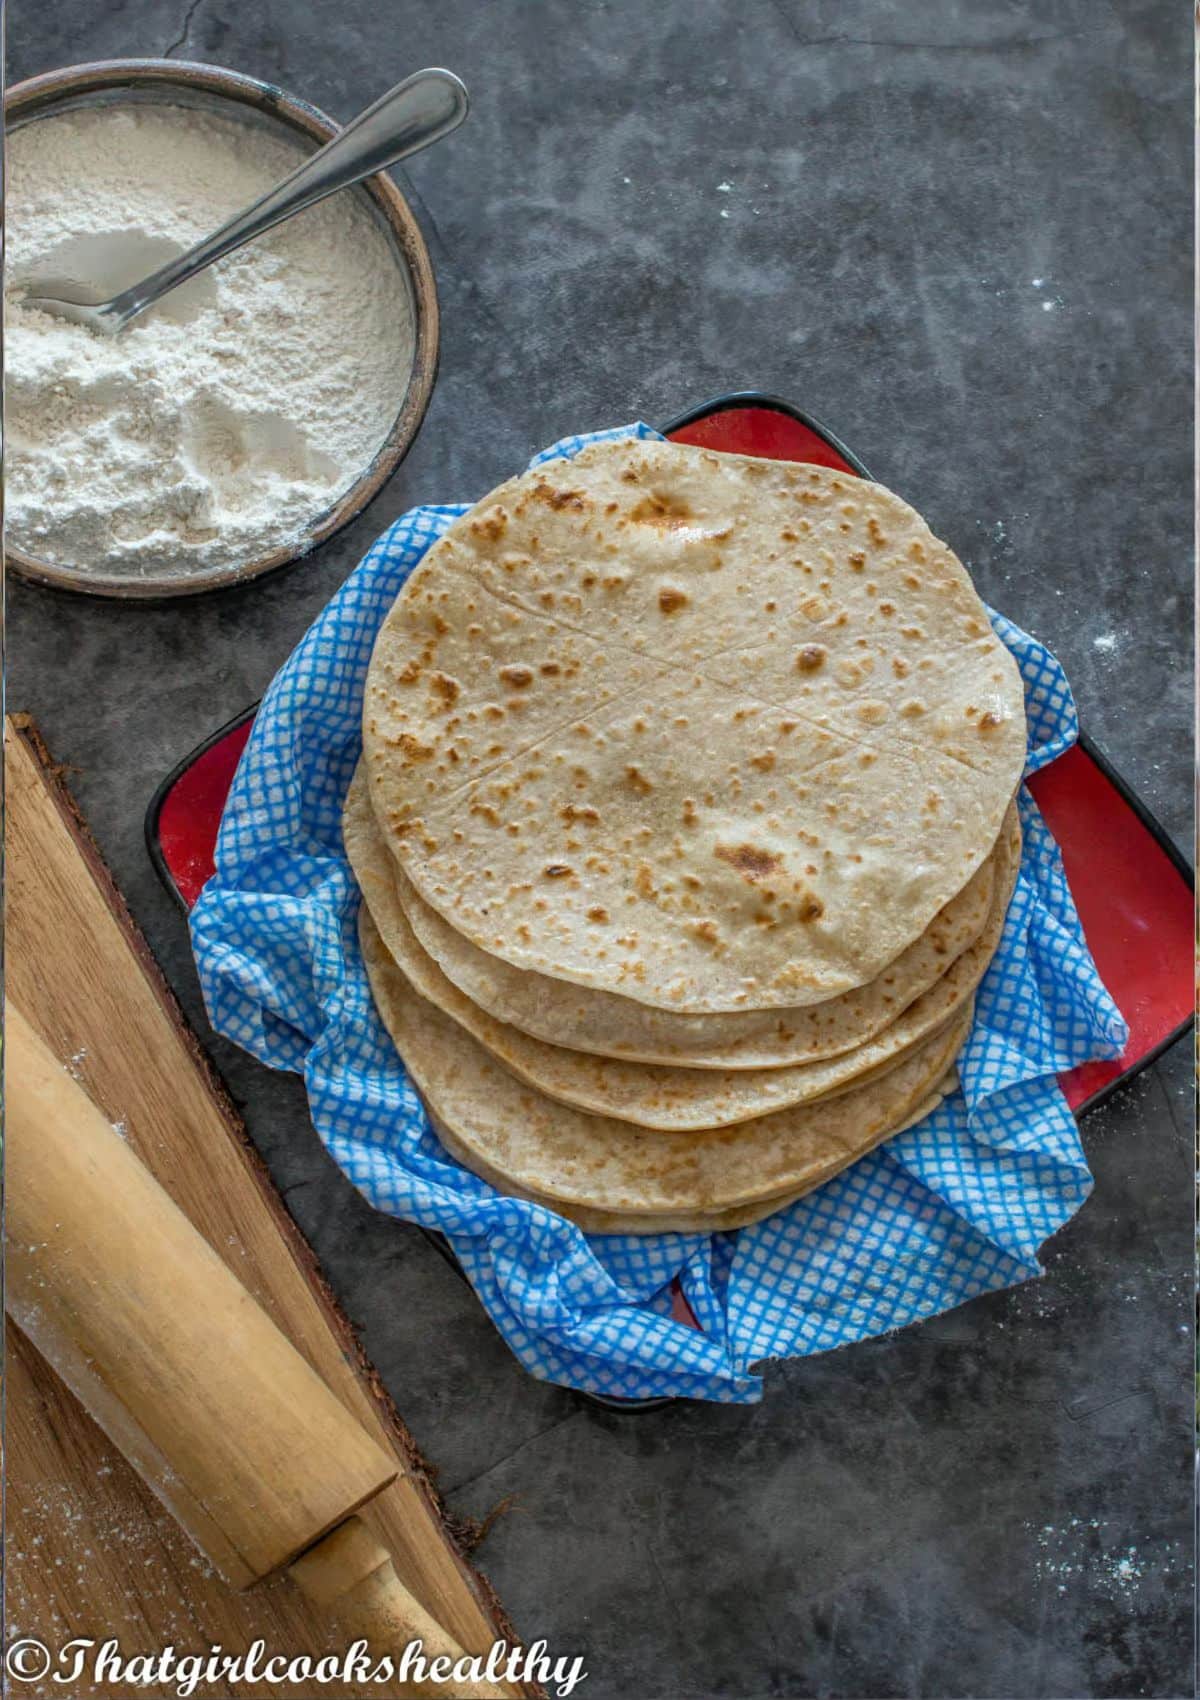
[89, 1551]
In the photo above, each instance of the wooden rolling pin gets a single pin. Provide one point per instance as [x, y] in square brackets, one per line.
[186, 1374]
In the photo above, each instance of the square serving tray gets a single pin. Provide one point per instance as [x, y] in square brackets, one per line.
[1133, 888]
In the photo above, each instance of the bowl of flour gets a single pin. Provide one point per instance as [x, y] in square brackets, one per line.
[254, 410]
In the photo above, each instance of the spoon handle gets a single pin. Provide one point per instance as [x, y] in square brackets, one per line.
[420, 110]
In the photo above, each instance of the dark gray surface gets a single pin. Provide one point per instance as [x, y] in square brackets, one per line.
[942, 1512]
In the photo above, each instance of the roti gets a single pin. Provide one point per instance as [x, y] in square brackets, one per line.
[667, 1098]
[607, 1024]
[521, 1140]
[699, 1221]
[711, 732]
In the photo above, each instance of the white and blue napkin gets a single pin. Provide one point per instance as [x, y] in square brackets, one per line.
[956, 1206]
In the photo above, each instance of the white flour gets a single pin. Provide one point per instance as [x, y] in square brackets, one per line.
[225, 421]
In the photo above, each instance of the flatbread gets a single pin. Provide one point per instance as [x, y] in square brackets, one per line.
[515, 1136]
[713, 732]
[609, 1025]
[699, 1221]
[666, 1098]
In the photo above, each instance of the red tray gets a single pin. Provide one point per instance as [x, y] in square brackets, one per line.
[1132, 887]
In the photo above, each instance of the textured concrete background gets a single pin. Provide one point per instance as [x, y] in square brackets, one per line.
[997, 1502]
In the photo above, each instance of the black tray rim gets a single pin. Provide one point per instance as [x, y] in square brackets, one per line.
[724, 403]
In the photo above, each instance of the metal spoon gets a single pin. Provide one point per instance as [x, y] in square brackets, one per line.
[420, 110]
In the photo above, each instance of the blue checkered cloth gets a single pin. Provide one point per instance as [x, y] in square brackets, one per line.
[956, 1206]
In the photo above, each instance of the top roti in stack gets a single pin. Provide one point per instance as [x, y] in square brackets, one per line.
[709, 732]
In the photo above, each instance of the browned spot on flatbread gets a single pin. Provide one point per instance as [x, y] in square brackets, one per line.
[811, 657]
[872, 713]
[749, 861]
[661, 510]
[556, 870]
[559, 499]
[491, 526]
[445, 687]
[643, 881]
[517, 677]
[671, 600]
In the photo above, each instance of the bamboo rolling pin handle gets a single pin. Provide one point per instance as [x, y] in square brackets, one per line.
[216, 1410]
[351, 1575]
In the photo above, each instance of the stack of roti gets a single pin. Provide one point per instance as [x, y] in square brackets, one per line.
[685, 830]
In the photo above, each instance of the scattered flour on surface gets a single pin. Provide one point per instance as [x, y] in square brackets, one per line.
[228, 419]
[1107, 641]
[1078, 1552]
[996, 531]
[1049, 302]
